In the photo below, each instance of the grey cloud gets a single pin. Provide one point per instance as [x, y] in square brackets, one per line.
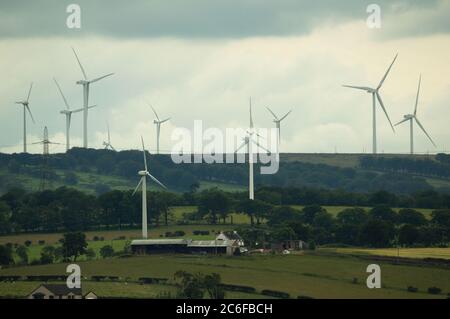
[193, 18]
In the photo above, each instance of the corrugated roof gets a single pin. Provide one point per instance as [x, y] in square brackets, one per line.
[209, 243]
[160, 242]
[59, 290]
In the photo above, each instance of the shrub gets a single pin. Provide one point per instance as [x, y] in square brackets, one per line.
[90, 254]
[107, 251]
[179, 233]
[96, 238]
[412, 289]
[312, 245]
[27, 243]
[239, 288]
[98, 277]
[355, 280]
[304, 297]
[200, 232]
[41, 242]
[275, 293]
[434, 290]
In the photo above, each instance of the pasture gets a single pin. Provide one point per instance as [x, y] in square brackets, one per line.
[307, 274]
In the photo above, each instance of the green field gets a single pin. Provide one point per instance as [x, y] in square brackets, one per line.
[308, 274]
[442, 253]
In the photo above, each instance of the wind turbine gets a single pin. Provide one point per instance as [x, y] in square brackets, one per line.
[68, 113]
[26, 107]
[277, 122]
[143, 182]
[158, 123]
[86, 83]
[376, 96]
[413, 117]
[248, 141]
[108, 144]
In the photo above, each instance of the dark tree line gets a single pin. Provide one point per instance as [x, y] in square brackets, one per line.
[67, 209]
[180, 177]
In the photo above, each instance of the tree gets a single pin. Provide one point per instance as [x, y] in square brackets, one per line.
[48, 255]
[283, 214]
[408, 234]
[309, 213]
[90, 254]
[352, 216]
[190, 286]
[411, 216]
[212, 285]
[384, 213]
[107, 251]
[74, 245]
[5, 218]
[6, 257]
[441, 218]
[377, 233]
[22, 253]
[70, 178]
[213, 202]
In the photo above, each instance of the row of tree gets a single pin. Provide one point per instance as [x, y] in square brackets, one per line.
[67, 209]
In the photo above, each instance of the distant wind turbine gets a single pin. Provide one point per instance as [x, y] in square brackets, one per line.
[26, 107]
[108, 144]
[277, 122]
[86, 83]
[413, 117]
[376, 96]
[143, 182]
[249, 141]
[158, 123]
[68, 113]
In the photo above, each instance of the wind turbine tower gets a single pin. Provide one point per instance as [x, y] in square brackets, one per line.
[413, 117]
[68, 113]
[158, 123]
[86, 85]
[143, 183]
[376, 96]
[26, 107]
[249, 141]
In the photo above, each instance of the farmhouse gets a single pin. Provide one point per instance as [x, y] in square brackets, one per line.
[229, 243]
[47, 291]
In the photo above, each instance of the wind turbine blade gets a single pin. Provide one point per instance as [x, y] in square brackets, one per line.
[137, 187]
[285, 115]
[109, 137]
[164, 120]
[260, 146]
[60, 91]
[79, 63]
[387, 72]
[384, 109]
[81, 109]
[28, 109]
[276, 118]
[156, 181]
[99, 78]
[417, 96]
[364, 88]
[143, 150]
[423, 129]
[241, 146]
[29, 91]
[402, 121]
[156, 114]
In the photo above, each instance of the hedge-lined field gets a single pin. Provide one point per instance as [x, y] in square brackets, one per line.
[307, 275]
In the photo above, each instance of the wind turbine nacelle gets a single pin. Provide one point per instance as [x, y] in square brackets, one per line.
[408, 116]
[155, 122]
[64, 112]
[82, 82]
[142, 173]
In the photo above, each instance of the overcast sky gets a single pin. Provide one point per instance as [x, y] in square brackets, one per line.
[203, 59]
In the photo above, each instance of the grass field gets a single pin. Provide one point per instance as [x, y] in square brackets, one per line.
[307, 274]
[443, 253]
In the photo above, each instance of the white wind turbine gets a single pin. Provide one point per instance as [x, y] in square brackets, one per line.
[108, 144]
[413, 117]
[86, 83]
[158, 123]
[248, 141]
[26, 107]
[376, 96]
[277, 122]
[143, 182]
[68, 113]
